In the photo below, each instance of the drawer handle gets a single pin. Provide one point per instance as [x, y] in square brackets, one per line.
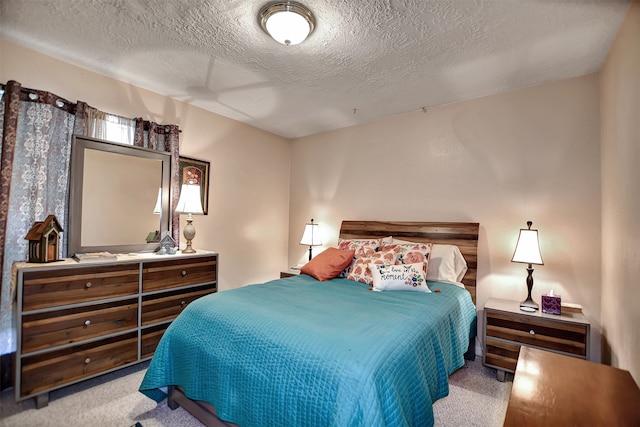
[87, 361]
[532, 332]
[88, 285]
[184, 273]
[87, 322]
[183, 303]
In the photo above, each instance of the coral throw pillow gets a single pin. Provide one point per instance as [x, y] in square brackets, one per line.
[328, 264]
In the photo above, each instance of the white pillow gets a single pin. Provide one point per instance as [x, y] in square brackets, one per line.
[399, 277]
[446, 262]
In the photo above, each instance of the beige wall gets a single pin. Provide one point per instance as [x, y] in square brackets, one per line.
[249, 193]
[620, 109]
[531, 154]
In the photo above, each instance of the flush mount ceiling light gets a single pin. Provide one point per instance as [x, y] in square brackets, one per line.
[287, 22]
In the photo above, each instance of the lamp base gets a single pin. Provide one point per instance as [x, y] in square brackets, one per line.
[529, 305]
[188, 249]
[189, 233]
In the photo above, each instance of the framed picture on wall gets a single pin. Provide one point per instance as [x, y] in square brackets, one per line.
[196, 171]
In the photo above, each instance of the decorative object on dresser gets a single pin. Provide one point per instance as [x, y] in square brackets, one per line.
[528, 252]
[554, 390]
[311, 236]
[95, 257]
[167, 245]
[44, 240]
[506, 329]
[77, 321]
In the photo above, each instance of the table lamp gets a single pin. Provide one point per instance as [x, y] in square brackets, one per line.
[528, 252]
[190, 202]
[311, 236]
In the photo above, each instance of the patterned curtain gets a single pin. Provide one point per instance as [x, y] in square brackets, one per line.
[163, 138]
[36, 147]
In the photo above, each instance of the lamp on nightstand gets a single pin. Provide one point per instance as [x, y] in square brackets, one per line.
[311, 236]
[528, 252]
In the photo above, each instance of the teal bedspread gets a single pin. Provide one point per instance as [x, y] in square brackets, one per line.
[298, 352]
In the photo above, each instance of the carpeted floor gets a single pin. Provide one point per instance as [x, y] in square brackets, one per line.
[476, 398]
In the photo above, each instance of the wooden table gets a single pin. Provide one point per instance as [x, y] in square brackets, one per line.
[552, 389]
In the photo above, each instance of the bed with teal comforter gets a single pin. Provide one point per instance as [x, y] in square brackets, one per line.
[299, 352]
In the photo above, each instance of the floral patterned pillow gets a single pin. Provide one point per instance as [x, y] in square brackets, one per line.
[361, 247]
[399, 277]
[411, 253]
[361, 272]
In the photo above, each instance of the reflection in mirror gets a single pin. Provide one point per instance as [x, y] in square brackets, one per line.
[129, 178]
[115, 190]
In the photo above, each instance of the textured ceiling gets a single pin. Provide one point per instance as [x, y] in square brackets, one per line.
[366, 59]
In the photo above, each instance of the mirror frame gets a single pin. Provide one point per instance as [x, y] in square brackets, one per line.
[78, 147]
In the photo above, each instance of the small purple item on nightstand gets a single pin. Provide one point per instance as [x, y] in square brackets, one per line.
[551, 303]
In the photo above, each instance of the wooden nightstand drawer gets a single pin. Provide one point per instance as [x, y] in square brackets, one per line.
[166, 306]
[53, 328]
[182, 272]
[47, 370]
[58, 287]
[548, 334]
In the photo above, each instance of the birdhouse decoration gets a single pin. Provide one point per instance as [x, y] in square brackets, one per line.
[44, 240]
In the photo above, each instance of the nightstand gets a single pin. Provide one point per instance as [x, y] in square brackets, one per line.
[289, 273]
[506, 328]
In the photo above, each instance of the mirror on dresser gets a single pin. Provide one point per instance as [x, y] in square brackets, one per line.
[114, 193]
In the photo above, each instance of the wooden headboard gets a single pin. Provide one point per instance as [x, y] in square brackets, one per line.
[462, 234]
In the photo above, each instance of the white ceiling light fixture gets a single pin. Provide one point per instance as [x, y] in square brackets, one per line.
[287, 22]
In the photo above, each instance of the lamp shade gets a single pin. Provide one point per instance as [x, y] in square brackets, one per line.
[190, 201]
[311, 235]
[287, 22]
[528, 249]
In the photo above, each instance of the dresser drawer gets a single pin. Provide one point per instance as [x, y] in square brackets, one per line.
[150, 338]
[54, 328]
[48, 370]
[562, 337]
[161, 275]
[58, 287]
[167, 305]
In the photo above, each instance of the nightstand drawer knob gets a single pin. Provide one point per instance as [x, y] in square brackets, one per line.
[87, 361]
[87, 322]
[183, 303]
[88, 285]
[532, 332]
[184, 273]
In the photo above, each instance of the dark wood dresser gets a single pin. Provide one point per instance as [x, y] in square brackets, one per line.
[79, 320]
